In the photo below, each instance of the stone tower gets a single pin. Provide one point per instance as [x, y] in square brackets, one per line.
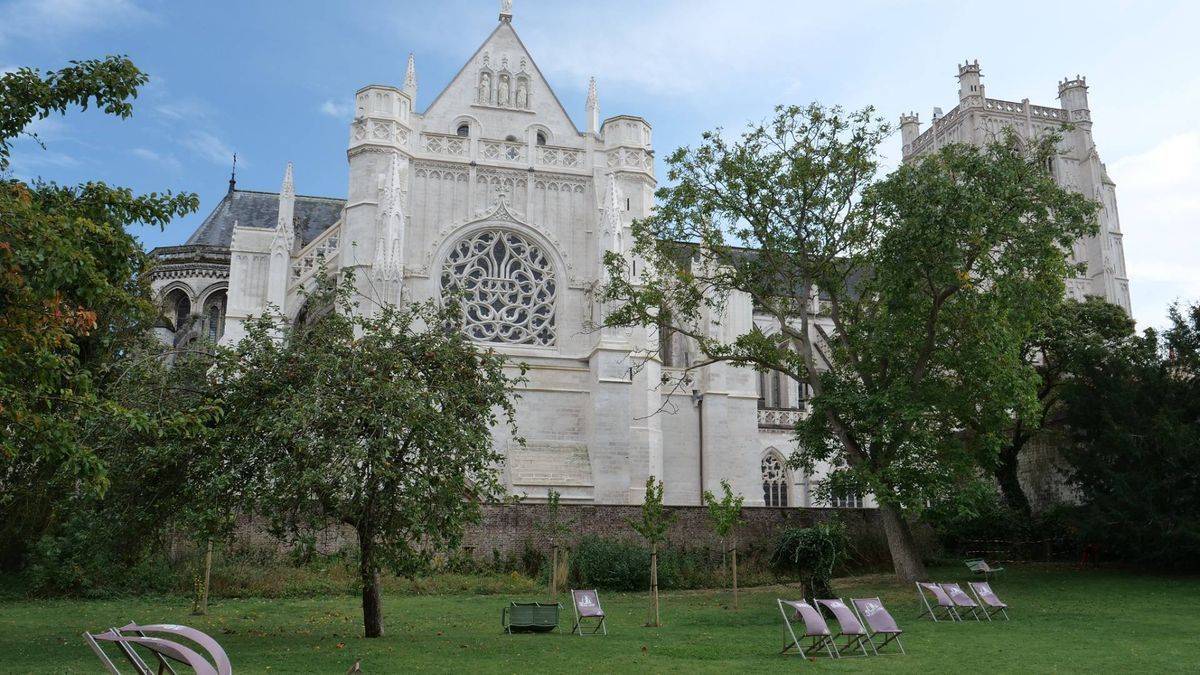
[977, 119]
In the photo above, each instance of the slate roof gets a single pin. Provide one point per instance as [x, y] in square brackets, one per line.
[250, 208]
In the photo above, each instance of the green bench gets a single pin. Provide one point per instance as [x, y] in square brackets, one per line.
[530, 617]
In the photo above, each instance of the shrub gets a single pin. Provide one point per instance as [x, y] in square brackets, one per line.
[620, 565]
[811, 553]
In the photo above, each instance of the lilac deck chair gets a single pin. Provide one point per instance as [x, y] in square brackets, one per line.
[988, 602]
[878, 621]
[815, 629]
[587, 606]
[849, 626]
[216, 653]
[962, 601]
[944, 603]
[162, 649]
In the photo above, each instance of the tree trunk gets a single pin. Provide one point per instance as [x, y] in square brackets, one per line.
[1006, 476]
[733, 551]
[201, 607]
[372, 605]
[905, 557]
[653, 619]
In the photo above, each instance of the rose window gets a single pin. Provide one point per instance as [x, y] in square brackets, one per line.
[506, 286]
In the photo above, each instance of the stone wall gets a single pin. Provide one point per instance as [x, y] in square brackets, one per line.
[506, 530]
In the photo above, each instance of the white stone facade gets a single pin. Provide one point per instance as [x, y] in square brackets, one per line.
[494, 191]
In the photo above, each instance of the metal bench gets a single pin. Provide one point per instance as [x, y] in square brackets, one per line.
[530, 617]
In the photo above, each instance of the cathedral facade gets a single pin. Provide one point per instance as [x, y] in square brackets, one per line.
[494, 193]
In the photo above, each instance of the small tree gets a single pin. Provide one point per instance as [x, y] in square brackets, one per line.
[653, 526]
[726, 515]
[378, 420]
[556, 529]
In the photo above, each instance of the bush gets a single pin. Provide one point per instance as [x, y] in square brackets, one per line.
[976, 518]
[811, 553]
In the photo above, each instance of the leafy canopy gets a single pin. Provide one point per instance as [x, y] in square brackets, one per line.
[379, 420]
[74, 302]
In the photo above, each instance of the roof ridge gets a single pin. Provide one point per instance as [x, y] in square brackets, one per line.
[265, 192]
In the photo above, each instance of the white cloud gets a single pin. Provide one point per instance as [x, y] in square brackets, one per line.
[1159, 202]
[336, 110]
[54, 20]
[148, 155]
[208, 146]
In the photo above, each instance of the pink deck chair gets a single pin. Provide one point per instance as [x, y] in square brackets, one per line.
[962, 601]
[944, 603]
[849, 626]
[216, 653]
[587, 606]
[162, 649]
[878, 621]
[988, 602]
[815, 629]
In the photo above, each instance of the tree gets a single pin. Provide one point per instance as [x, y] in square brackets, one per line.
[74, 299]
[1072, 337]
[928, 280]
[1134, 427]
[653, 526]
[556, 528]
[381, 421]
[726, 515]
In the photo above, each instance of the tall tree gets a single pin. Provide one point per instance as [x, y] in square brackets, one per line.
[1072, 337]
[726, 516]
[381, 421]
[927, 281]
[74, 298]
[1134, 424]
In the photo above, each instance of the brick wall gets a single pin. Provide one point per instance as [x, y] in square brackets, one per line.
[508, 529]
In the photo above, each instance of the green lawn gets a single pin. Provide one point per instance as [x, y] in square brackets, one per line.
[1063, 621]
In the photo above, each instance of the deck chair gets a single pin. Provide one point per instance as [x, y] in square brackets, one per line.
[988, 602]
[849, 626]
[815, 629]
[980, 566]
[216, 654]
[587, 606]
[878, 621]
[944, 603]
[162, 649]
[962, 602]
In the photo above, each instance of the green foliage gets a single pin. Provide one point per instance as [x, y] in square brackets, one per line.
[617, 565]
[655, 520]
[726, 514]
[812, 554]
[1073, 337]
[74, 304]
[1134, 420]
[379, 418]
[932, 278]
[976, 514]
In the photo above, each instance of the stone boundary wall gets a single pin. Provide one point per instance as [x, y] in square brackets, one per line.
[509, 529]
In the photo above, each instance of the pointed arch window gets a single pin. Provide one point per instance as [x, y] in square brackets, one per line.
[774, 479]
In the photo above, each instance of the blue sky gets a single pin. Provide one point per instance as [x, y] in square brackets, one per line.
[274, 82]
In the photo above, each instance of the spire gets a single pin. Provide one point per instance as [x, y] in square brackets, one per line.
[506, 11]
[233, 174]
[410, 78]
[285, 229]
[593, 107]
[389, 248]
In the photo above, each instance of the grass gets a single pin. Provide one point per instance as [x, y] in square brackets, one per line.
[1063, 621]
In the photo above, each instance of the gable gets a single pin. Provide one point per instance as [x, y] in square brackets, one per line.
[503, 91]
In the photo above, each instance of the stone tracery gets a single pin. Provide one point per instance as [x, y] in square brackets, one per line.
[506, 286]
